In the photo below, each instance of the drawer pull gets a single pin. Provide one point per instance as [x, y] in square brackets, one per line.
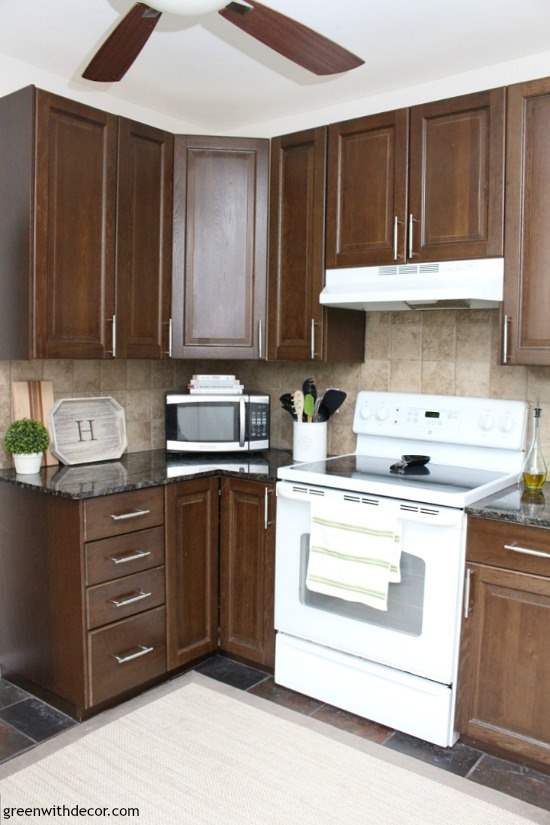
[132, 598]
[515, 548]
[124, 558]
[132, 514]
[142, 650]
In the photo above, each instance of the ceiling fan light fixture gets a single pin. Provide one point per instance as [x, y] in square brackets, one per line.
[188, 7]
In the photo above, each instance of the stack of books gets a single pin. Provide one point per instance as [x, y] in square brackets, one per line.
[215, 385]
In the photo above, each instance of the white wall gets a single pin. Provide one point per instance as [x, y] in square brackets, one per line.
[15, 74]
[499, 74]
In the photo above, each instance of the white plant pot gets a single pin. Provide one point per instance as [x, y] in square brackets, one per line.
[27, 464]
[310, 441]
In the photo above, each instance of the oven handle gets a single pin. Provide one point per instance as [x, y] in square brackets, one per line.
[242, 422]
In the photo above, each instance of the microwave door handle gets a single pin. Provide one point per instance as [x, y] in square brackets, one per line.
[242, 422]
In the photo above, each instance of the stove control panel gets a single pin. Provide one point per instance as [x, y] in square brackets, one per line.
[449, 419]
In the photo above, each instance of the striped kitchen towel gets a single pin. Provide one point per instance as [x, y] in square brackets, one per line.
[354, 554]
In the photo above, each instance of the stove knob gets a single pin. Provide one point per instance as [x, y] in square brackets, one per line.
[507, 424]
[365, 412]
[487, 422]
[382, 413]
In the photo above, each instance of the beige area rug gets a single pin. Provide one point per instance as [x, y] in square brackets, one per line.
[195, 752]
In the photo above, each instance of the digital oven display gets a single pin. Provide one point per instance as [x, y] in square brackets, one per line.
[432, 414]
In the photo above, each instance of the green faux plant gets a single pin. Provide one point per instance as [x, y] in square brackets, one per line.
[26, 436]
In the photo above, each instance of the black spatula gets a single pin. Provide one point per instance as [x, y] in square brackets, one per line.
[332, 401]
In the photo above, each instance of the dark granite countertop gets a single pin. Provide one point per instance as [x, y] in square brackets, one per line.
[513, 505]
[151, 468]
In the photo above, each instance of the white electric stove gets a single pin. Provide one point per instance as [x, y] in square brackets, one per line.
[396, 667]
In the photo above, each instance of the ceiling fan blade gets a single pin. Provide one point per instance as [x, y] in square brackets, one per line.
[123, 45]
[290, 38]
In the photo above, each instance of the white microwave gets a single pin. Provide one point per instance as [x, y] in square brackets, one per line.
[217, 423]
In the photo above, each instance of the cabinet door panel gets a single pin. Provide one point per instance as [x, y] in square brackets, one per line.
[456, 187]
[144, 240]
[191, 570]
[247, 557]
[367, 190]
[526, 282]
[505, 663]
[297, 233]
[220, 247]
[75, 220]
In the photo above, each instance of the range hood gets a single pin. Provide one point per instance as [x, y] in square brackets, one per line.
[474, 284]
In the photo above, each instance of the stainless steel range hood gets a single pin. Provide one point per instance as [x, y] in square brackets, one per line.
[474, 284]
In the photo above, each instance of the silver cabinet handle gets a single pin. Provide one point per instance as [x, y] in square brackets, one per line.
[124, 558]
[412, 221]
[132, 514]
[131, 599]
[467, 591]
[242, 422]
[169, 324]
[113, 337]
[527, 551]
[260, 339]
[142, 650]
[395, 238]
[313, 353]
[505, 325]
[267, 522]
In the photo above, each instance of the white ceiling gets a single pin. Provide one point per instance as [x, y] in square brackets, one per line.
[206, 72]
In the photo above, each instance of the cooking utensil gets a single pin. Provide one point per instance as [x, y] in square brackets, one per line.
[298, 403]
[317, 406]
[287, 404]
[309, 388]
[332, 401]
[309, 407]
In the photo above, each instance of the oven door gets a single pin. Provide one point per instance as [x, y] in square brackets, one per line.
[419, 632]
[213, 424]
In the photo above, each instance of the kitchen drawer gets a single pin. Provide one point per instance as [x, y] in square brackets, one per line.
[123, 555]
[127, 654]
[123, 513]
[512, 546]
[107, 603]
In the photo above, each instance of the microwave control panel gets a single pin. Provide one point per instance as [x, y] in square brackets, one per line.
[258, 422]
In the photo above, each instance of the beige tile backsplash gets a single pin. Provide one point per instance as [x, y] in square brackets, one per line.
[449, 353]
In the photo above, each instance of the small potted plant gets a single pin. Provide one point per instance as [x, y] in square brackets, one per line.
[26, 440]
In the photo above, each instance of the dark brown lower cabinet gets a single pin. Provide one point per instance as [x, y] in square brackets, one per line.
[247, 563]
[100, 598]
[191, 570]
[505, 650]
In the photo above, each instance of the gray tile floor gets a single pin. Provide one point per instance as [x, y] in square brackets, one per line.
[25, 722]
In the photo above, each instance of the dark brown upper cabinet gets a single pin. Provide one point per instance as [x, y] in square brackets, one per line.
[299, 327]
[74, 266]
[220, 247]
[456, 183]
[439, 197]
[367, 190]
[85, 243]
[144, 241]
[526, 330]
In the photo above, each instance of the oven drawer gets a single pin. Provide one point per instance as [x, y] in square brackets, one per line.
[512, 546]
[112, 558]
[127, 654]
[107, 603]
[123, 513]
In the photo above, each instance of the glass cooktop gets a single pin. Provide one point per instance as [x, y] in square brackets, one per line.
[374, 470]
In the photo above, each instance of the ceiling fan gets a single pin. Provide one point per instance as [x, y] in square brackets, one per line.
[293, 40]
